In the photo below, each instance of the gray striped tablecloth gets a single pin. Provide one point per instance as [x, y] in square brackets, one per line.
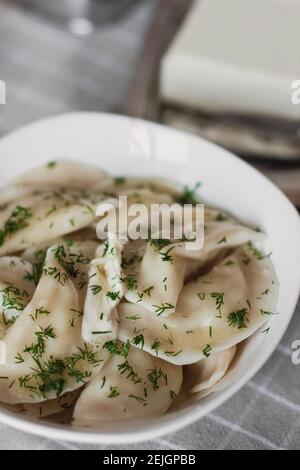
[48, 71]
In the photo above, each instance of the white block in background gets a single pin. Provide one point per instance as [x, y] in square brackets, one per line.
[237, 56]
[2, 92]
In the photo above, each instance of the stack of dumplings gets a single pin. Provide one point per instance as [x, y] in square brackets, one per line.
[118, 329]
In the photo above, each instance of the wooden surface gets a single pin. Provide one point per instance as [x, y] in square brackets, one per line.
[274, 148]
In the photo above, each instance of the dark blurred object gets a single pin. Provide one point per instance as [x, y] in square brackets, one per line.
[144, 101]
[96, 11]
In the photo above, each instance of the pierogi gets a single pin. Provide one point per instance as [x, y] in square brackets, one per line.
[114, 327]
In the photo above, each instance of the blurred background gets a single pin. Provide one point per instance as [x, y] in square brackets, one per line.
[222, 70]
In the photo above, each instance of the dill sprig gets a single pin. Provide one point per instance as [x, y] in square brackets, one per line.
[66, 263]
[173, 353]
[158, 243]
[96, 289]
[17, 221]
[154, 377]
[189, 195]
[13, 298]
[238, 319]
[137, 398]
[114, 392]
[122, 349]
[260, 255]
[37, 268]
[130, 281]
[207, 350]
[165, 255]
[60, 276]
[139, 340]
[219, 299]
[118, 180]
[133, 317]
[114, 296]
[160, 309]
[155, 346]
[37, 349]
[125, 368]
[266, 312]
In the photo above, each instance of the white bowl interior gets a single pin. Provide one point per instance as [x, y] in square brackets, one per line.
[125, 146]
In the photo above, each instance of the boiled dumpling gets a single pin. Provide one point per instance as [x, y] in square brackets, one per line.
[45, 408]
[159, 189]
[109, 320]
[16, 289]
[218, 236]
[126, 218]
[203, 375]
[132, 384]
[158, 280]
[214, 312]
[105, 290]
[201, 378]
[54, 175]
[42, 217]
[81, 253]
[45, 354]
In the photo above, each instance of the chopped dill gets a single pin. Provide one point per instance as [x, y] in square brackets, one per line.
[114, 392]
[154, 377]
[238, 319]
[189, 195]
[96, 289]
[207, 350]
[160, 309]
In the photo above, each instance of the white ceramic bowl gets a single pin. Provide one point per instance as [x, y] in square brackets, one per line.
[124, 146]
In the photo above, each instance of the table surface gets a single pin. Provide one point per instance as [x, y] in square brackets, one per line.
[48, 71]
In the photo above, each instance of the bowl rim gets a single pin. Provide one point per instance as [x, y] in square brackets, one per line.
[194, 413]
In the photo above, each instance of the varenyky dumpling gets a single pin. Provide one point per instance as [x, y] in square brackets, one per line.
[218, 236]
[45, 354]
[44, 216]
[203, 375]
[46, 408]
[214, 312]
[81, 253]
[131, 384]
[60, 174]
[161, 190]
[105, 290]
[130, 210]
[157, 281]
[105, 326]
[16, 290]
